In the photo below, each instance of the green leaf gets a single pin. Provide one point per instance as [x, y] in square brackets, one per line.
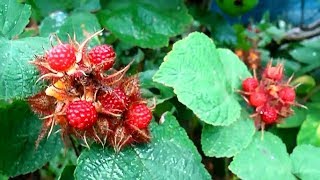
[152, 89]
[3, 177]
[312, 43]
[305, 55]
[13, 17]
[170, 155]
[57, 165]
[305, 162]
[276, 33]
[221, 31]
[226, 141]
[52, 23]
[263, 159]
[295, 120]
[310, 130]
[18, 76]
[19, 129]
[78, 23]
[47, 7]
[306, 83]
[67, 173]
[204, 78]
[86, 5]
[145, 23]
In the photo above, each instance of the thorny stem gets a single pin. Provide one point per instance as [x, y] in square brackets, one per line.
[74, 146]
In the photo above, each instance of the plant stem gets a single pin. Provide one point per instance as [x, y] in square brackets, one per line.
[74, 146]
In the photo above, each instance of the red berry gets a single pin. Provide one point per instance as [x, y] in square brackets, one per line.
[61, 57]
[115, 101]
[269, 114]
[273, 73]
[138, 115]
[257, 99]
[102, 54]
[250, 84]
[287, 94]
[81, 114]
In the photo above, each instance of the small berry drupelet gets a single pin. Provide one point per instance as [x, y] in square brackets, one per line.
[81, 114]
[61, 57]
[139, 116]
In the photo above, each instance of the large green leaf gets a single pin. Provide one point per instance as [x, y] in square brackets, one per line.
[263, 159]
[204, 78]
[49, 7]
[305, 162]
[79, 23]
[170, 155]
[19, 129]
[305, 55]
[295, 120]
[17, 75]
[152, 89]
[145, 23]
[226, 141]
[13, 17]
[310, 130]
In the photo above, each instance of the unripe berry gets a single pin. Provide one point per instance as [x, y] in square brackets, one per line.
[273, 73]
[257, 99]
[61, 57]
[250, 84]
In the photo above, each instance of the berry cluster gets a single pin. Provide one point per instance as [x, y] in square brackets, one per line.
[88, 98]
[271, 97]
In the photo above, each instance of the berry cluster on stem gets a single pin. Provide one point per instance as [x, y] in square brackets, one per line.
[271, 97]
[89, 99]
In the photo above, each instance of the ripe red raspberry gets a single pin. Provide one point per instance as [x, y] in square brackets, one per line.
[81, 114]
[273, 73]
[61, 57]
[115, 101]
[257, 99]
[138, 115]
[287, 94]
[250, 84]
[269, 114]
[102, 54]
